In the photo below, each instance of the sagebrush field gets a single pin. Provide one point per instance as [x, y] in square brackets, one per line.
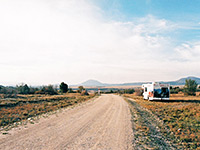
[181, 114]
[22, 107]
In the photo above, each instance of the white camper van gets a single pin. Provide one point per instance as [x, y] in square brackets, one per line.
[156, 91]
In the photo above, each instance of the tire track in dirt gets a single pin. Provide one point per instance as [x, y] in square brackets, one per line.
[99, 123]
[105, 129]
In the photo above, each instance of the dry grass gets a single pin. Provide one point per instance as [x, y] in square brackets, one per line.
[148, 130]
[181, 114]
[26, 106]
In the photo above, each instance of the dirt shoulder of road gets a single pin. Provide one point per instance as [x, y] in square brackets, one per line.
[148, 130]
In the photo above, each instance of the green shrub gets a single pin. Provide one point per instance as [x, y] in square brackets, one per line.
[190, 87]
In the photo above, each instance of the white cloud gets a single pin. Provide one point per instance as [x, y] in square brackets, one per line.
[188, 52]
[44, 42]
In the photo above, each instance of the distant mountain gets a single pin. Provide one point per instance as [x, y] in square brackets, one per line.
[94, 83]
[182, 80]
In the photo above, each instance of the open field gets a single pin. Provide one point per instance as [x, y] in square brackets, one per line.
[180, 118]
[21, 107]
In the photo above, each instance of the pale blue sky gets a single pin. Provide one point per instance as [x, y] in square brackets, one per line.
[113, 41]
[185, 13]
[176, 10]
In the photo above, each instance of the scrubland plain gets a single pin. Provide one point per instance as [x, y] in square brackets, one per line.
[180, 118]
[21, 107]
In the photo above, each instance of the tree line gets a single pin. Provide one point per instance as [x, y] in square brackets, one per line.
[25, 89]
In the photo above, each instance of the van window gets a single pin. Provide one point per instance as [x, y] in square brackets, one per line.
[145, 89]
[161, 93]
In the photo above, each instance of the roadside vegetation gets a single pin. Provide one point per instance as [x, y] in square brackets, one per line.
[16, 108]
[180, 115]
[148, 131]
[178, 119]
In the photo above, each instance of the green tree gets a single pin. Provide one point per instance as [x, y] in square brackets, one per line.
[26, 89]
[190, 87]
[23, 89]
[63, 87]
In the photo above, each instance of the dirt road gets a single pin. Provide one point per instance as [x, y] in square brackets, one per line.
[103, 123]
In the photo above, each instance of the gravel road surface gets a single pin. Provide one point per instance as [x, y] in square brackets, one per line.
[102, 123]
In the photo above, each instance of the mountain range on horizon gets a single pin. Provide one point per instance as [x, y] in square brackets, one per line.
[96, 83]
